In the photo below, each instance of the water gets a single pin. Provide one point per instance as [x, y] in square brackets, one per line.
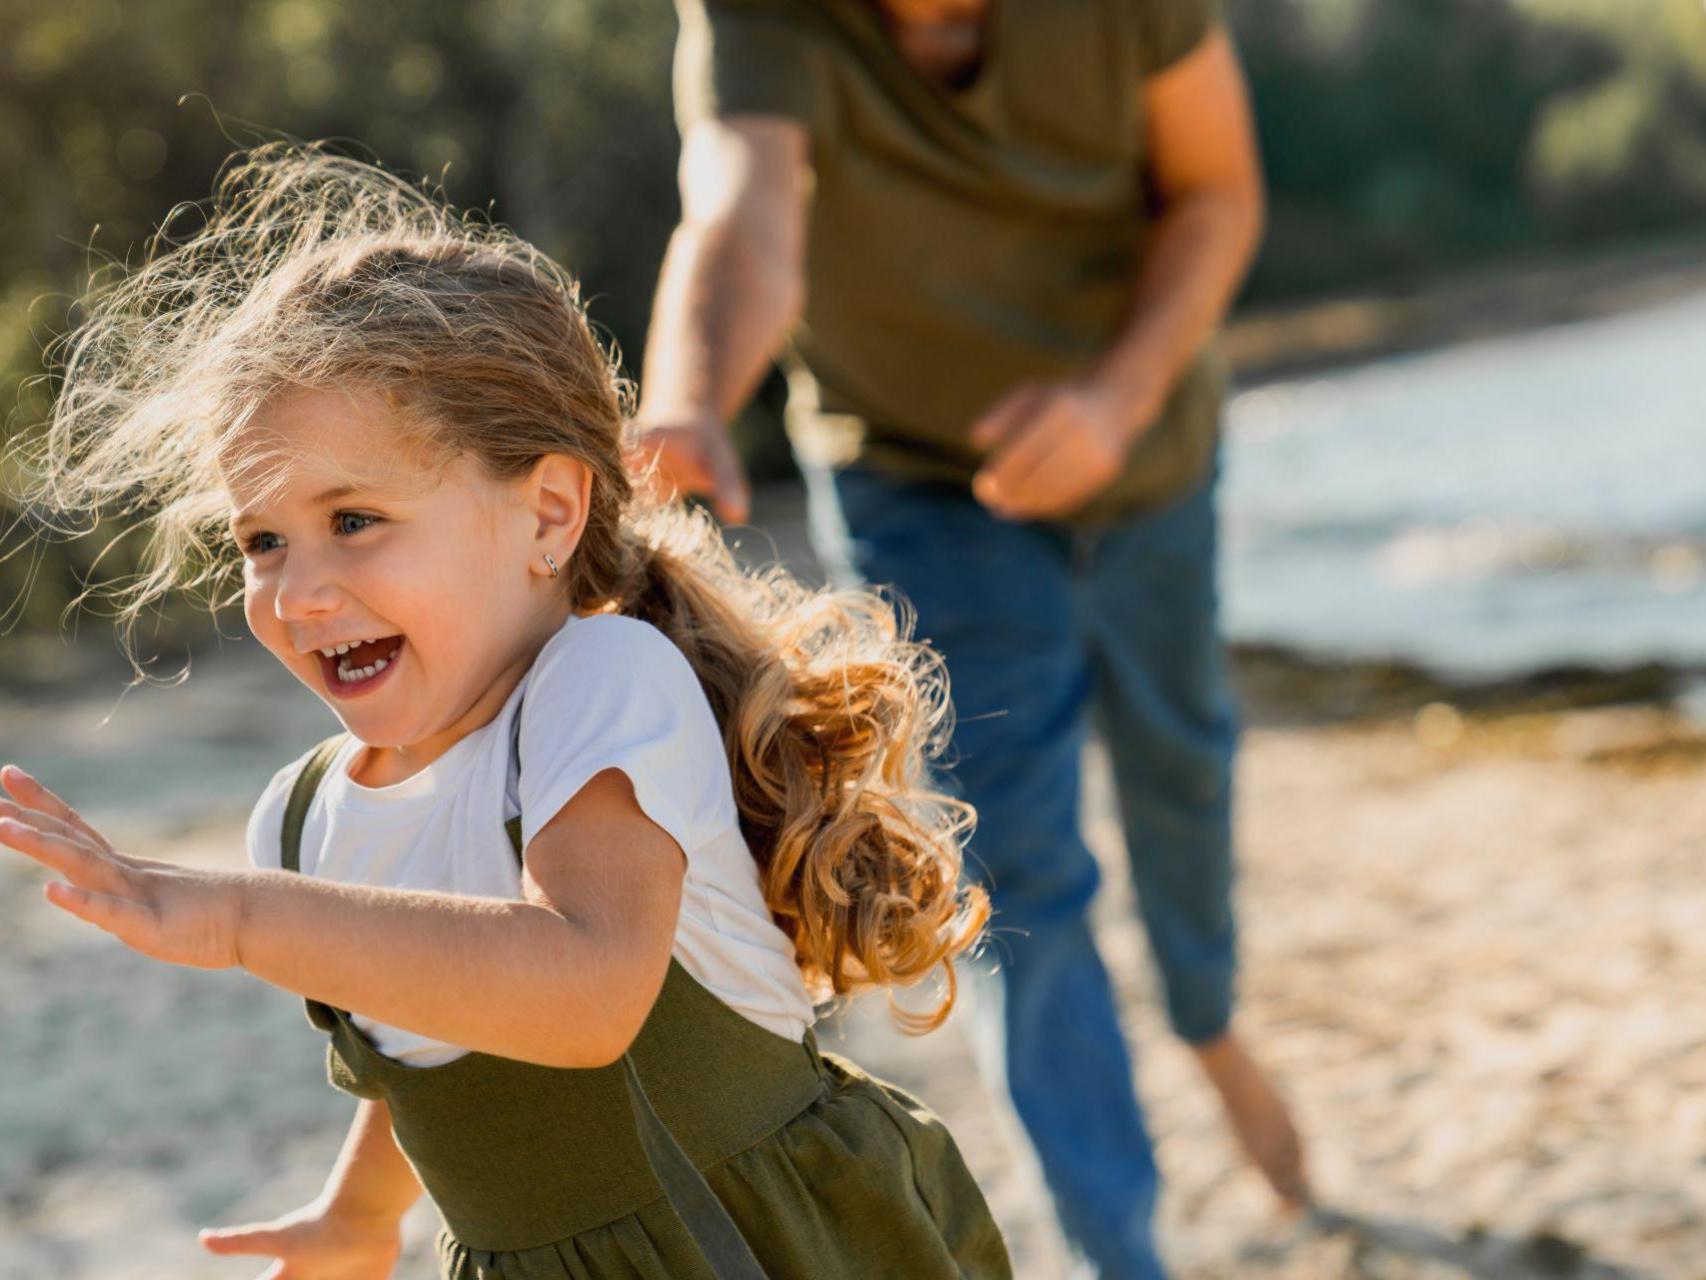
[1485, 510]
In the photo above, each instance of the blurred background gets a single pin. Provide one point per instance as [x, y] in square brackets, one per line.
[1465, 577]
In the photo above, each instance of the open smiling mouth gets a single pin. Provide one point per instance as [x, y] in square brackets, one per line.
[351, 669]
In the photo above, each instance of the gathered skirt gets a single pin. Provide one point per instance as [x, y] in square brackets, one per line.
[864, 1184]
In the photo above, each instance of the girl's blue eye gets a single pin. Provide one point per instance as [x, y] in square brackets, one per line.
[348, 522]
[260, 543]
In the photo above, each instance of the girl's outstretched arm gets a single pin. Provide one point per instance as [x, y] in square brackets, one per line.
[351, 1230]
[564, 977]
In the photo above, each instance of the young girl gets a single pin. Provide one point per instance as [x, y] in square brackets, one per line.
[609, 815]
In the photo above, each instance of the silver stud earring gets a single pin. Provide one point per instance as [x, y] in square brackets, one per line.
[550, 564]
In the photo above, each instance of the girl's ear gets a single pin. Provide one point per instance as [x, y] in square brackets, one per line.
[559, 494]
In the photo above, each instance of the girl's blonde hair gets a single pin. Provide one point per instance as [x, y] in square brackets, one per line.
[310, 269]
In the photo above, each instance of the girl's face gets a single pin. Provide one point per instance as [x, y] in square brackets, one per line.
[410, 595]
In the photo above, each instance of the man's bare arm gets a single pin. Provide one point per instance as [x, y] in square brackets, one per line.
[1054, 447]
[1207, 174]
[732, 285]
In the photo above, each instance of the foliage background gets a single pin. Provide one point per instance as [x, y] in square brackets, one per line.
[1403, 139]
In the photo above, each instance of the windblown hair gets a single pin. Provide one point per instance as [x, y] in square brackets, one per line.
[312, 270]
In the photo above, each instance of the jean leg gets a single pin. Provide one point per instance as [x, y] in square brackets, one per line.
[996, 599]
[1165, 704]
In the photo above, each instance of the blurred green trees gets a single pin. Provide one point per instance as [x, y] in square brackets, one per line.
[1406, 136]
[1627, 150]
[556, 115]
[1401, 136]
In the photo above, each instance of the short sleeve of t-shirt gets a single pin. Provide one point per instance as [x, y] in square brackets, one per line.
[610, 692]
[1169, 29]
[745, 59]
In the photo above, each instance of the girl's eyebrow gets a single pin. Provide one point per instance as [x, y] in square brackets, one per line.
[337, 491]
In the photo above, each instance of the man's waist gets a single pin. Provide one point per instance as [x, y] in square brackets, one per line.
[1169, 457]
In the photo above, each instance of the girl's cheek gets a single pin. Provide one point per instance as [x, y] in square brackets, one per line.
[257, 606]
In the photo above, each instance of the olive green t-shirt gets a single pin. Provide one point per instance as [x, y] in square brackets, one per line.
[961, 241]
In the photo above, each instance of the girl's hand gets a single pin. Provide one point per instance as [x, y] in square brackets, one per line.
[168, 912]
[316, 1242]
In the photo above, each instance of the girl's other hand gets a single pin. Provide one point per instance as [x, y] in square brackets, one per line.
[317, 1242]
[168, 912]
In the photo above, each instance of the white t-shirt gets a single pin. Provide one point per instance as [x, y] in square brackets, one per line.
[606, 692]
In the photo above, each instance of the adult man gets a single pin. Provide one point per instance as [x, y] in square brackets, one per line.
[1001, 234]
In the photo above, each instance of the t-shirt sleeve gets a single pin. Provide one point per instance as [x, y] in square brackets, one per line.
[615, 693]
[746, 59]
[1169, 29]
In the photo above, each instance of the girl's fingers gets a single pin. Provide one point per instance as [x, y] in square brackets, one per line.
[129, 922]
[41, 820]
[69, 855]
[263, 1240]
[253, 1238]
[32, 794]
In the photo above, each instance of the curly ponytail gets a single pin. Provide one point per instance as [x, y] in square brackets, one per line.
[830, 715]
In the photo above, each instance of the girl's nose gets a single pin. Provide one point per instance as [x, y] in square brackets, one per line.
[303, 591]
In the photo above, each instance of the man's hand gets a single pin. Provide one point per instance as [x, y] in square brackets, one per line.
[677, 460]
[1053, 447]
[732, 285]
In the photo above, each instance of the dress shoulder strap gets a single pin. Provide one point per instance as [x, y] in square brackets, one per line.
[301, 796]
[726, 1253]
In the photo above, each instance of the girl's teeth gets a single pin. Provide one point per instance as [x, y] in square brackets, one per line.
[348, 676]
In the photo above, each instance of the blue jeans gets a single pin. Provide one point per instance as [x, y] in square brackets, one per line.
[1044, 626]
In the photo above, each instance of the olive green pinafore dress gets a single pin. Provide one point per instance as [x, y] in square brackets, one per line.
[715, 1150]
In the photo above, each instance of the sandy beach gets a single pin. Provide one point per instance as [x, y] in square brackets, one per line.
[1472, 957]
